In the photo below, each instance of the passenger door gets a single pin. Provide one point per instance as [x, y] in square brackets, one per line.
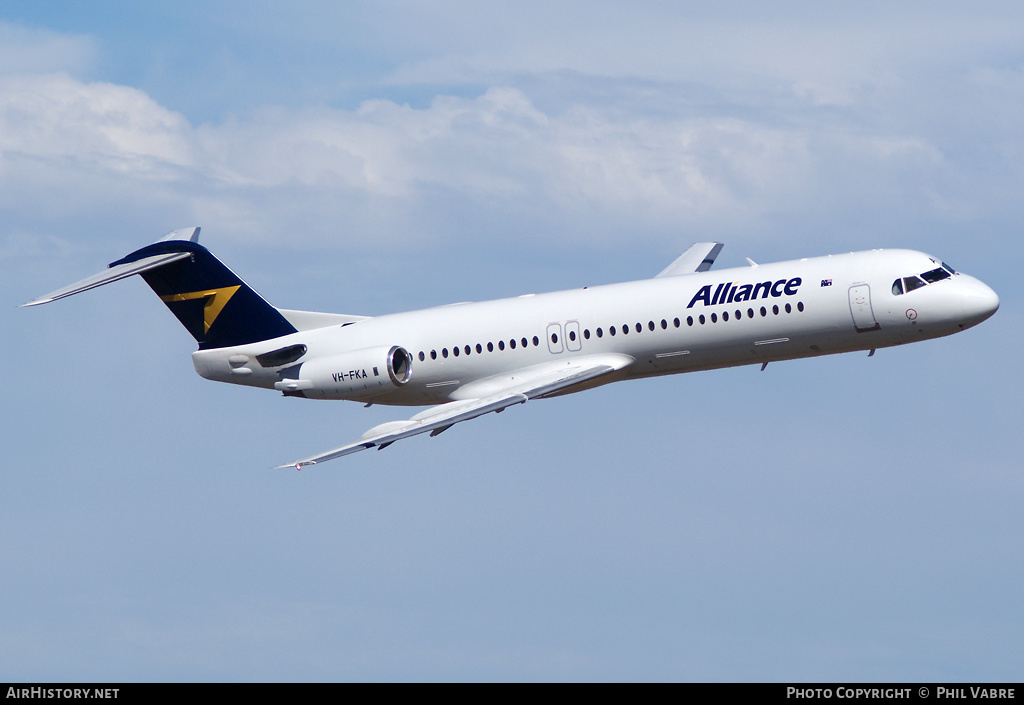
[860, 308]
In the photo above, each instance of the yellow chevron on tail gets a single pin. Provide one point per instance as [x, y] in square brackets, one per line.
[215, 303]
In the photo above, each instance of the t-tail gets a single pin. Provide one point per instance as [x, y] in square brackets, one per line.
[215, 306]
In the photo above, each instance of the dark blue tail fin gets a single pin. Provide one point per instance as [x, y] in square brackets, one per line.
[214, 305]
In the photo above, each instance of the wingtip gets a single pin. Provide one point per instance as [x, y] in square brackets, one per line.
[297, 466]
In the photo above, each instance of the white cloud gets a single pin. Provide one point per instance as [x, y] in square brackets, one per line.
[58, 118]
[647, 159]
[57, 130]
[831, 47]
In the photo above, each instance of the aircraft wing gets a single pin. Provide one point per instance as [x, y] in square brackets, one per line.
[698, 258]
[531, 383]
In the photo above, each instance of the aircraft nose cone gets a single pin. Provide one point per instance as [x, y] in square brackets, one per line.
[979, 302]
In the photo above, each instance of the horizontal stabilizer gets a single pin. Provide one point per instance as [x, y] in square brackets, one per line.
[311, 320]
[115, 272]
[698, 258]
[111, 274]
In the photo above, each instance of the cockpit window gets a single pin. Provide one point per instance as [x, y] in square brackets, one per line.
[908, 284]
[911, 283]
[935, 275]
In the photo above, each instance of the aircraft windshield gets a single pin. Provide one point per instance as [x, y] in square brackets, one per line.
[905, 285]
[935, 275]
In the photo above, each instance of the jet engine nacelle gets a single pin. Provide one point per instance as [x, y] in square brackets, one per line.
[358, 374]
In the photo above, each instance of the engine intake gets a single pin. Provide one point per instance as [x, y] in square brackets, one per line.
[359, 374]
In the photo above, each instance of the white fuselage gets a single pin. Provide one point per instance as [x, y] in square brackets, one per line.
[666, 325]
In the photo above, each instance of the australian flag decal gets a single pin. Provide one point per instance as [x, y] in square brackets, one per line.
[826, 282]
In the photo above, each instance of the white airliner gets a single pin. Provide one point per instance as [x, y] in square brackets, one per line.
[473, 358]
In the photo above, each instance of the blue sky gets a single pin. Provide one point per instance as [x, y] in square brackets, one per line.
[843, 518]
